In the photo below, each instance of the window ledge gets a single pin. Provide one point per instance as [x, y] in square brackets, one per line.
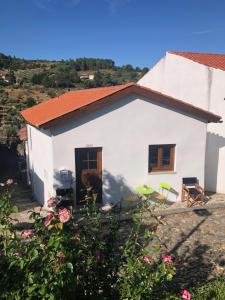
[161, 172]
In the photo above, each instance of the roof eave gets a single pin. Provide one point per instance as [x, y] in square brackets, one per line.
[133, 88]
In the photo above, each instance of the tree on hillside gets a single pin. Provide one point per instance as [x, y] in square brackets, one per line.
[128, 67]
[98, 79]
[11, 77]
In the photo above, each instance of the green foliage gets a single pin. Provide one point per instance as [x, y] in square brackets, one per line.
[10, 131]
[83, 64]
[65, 75]
[61, 77]
[30, 102]
[82, 255]
[11, 77]
[214, 289]
[13, 63]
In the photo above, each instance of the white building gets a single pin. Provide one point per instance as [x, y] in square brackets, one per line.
[113, 137]
[197, 78]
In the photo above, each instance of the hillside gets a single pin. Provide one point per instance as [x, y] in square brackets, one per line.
[24, 83]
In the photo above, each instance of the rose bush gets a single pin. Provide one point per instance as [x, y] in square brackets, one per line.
[78, 255]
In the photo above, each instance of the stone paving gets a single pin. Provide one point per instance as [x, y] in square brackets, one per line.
[22, 198]
[196, 240]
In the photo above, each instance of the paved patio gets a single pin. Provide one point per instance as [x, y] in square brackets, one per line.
[23, 199]
[195, 237]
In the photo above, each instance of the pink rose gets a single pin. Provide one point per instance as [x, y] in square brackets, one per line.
[9, 181]
[186, 295]
[28, 233]
[48, 219]
[52, 202]
[146, 259]
[167, 259]
[64, 215]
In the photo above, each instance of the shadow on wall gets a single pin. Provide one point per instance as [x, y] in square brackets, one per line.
[37, 187]
[214, 143]
[64, 186]
[115, 188]
[63, 179]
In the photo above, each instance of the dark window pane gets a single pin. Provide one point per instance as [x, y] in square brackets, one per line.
[153, 156]
[166, 156]
[83, 154]
[93, 154]
[84, 164]
[93, 164]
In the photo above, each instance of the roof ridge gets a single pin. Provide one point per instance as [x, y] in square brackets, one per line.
[191, 52]
[96, 88]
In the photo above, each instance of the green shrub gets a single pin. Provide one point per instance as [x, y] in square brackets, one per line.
[78, 255]
[10, 131]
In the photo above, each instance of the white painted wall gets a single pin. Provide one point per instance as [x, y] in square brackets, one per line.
[181, 78]
[204, 87]
[125, 130]
[40, 163]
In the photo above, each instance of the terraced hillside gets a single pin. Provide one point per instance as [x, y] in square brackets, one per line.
[24, 83]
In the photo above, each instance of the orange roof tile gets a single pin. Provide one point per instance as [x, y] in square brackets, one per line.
[65, 103]
[45, 113]
[216, 61]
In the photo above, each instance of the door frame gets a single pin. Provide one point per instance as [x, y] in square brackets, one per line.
[99, 168]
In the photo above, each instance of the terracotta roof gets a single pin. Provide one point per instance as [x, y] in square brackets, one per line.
[46, 114]
[216, 61]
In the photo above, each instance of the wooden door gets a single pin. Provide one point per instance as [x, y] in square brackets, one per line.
[88, 173]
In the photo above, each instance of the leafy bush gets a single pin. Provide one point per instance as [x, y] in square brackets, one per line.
[78, 255]
[10, 131]
[30, 102]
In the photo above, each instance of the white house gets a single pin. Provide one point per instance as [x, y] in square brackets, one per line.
[197, 78]
[113, 137]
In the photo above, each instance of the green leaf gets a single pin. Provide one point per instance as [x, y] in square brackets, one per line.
[70, 266]
[31, 289]
[14, 209]
[169, 277]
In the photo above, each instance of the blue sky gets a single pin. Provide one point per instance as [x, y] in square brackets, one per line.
[128, 31]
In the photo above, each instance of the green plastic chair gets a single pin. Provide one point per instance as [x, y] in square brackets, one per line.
[165, 186]
[144, 190]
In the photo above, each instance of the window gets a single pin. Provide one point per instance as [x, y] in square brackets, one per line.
[161, 158]
[88, 158]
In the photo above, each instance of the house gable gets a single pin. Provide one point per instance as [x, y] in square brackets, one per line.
[49, 113]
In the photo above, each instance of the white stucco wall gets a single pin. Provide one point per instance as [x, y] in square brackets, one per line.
[181, 78]
[204, 87]
[215, 154]
[124, 130]
[40, 163]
